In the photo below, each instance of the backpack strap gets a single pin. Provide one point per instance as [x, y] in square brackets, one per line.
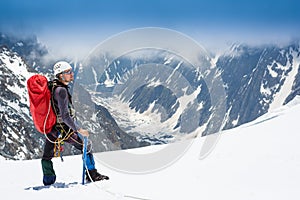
[60, 126]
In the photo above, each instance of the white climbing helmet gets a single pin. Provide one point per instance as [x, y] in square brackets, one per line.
[61, 66]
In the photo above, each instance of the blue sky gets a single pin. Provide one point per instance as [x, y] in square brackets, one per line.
[82, 24]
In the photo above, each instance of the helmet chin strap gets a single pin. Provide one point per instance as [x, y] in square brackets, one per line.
[62, 78]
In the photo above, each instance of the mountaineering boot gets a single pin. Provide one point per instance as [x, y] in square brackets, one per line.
[93, 175]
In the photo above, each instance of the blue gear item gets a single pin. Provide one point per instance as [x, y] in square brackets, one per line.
[90, 162]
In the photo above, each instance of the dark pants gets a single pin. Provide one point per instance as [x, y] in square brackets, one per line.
[74, 140]
[47, 165]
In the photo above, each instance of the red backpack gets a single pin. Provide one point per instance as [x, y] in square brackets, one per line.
[40, 103]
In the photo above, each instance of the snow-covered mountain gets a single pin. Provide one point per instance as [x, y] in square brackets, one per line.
[147, 87]
[150, 96]
[258, 160]
[19, 138]
[158, 93]
[32, 51]
[258, 79]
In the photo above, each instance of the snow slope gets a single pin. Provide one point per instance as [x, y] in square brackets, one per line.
[259, 160]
